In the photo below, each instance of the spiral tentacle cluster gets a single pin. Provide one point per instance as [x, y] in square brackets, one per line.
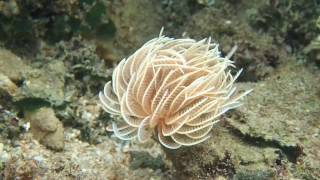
[173, 89]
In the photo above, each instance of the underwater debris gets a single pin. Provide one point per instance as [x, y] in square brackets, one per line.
[174, 89]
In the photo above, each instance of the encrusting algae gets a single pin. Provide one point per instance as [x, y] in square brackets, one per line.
[173, 89]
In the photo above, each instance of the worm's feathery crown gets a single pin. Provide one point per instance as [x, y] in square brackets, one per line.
[173, 88]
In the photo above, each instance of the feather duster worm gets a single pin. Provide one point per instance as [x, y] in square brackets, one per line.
[173, 89]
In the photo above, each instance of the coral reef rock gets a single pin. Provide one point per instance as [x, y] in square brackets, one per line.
[46, 84]
[275, 134]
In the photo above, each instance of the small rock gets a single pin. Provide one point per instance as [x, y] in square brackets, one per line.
[54, 140]
[46, 128]
[39, 158]
[7, 86]
[8, 90]
[1, 148]
[11, 65]
[4, 157]
[44, 119]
